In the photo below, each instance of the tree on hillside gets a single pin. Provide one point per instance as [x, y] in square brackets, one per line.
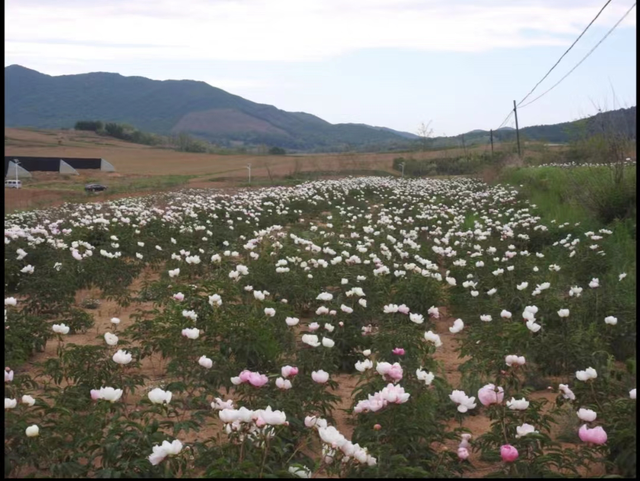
[277, 151]
[424, 132]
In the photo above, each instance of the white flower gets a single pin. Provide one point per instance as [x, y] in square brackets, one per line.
[587, 415]
[587, 374]
[532, 326]
[324, 296]
[326, 342]
[524, 430]
[492, 291]
[300, 471]
[362, 302]
[594, 283]
[485, 318]
[632, 394]
[205, 362]
[292, 321]
[366, 352]
[566, 392]
[575, 291]
[10, 301]
[174, 272]
[164, 450]
[622, 276]
[362, 366]
[32, 431]
[433, 338]
[425, 376]
[512, 359]
[192, 333]
[269, 311]
[346, 309]
[464, 402]
[611, 320]
[416, 318]
[282, 383]
[458, 325]
[122, 357]
[320, 376]
[60, 328]
[115, 320]
[110, 339]
[311, 340]
[215, 300]
[26, 399]
[522, 286]
[10, 403]
[219, 404]
[158, 396]
[563, 313]
[27, 269]
[505, 314]
[518, 404]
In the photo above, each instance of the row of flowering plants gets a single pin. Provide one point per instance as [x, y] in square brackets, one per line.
[264, 303]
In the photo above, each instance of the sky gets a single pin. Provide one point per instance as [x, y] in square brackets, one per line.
[458, 64]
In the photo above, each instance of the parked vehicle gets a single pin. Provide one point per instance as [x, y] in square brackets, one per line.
[95, 187]
[13, 184]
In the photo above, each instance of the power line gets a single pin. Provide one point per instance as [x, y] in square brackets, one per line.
[567, 51]
[583, 59]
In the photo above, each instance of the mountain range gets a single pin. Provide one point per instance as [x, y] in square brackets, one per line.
[34, 99]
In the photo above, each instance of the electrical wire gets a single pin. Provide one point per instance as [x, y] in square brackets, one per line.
[583, 59]
[566, 52]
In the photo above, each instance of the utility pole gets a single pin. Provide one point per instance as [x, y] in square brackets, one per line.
[402, 165]
[17, 163]
[491, 134]
[249, 167]
[515, 110]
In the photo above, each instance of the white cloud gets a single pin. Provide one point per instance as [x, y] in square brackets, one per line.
[70, 31]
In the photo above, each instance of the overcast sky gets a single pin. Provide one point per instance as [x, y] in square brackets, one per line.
[392, 63]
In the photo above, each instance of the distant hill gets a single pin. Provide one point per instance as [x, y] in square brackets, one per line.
[622, 121]
[33, 99]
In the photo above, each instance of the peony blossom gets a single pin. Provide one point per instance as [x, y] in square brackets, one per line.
[8, 375]
[489, 394]
[587, 374]
[464, 402]
[193, 333]
[288, 371]
[10, 403]
[320, 376]
[282, 383]
[292, 321]
[32, 431]
[115, 321]
[463, 454]
[508, 453]
[158, 396]
[566, 392]
[518, 404]
[326, 342]
[269, 311]
[426, 377]
[485, 318]
[122, 357]
[205, 362]
[632, 394]
[164, 450]
[430, 336]
[28, 400]
[60, 328]
[311, 340]
[398, 351]
[524, 430]
[563, 313]
[517, 360]
[178, 297]
[458, 325]
[611, 320]
[587, 415]
[110, 339]
[505, 314]
[362, 366]
[596, 435]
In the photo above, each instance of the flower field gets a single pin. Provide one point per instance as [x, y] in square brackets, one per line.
[363, 327]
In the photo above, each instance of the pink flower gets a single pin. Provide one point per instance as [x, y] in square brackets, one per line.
[244, 375]
[8, 374]
[179, 296]
[377, 427]
[508, 453]
[403, 309]
[596, 435]
[395, 373]
[258, 380]
[398, 351]
[463, 454]
[488, 395]
[95, 394]
[287, 371]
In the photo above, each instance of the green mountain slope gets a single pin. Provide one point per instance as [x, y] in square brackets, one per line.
[37, 100]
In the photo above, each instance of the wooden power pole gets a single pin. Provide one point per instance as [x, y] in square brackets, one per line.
[515, 110]
[491, 134]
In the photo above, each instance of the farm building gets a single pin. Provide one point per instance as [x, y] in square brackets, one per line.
[67, 165]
